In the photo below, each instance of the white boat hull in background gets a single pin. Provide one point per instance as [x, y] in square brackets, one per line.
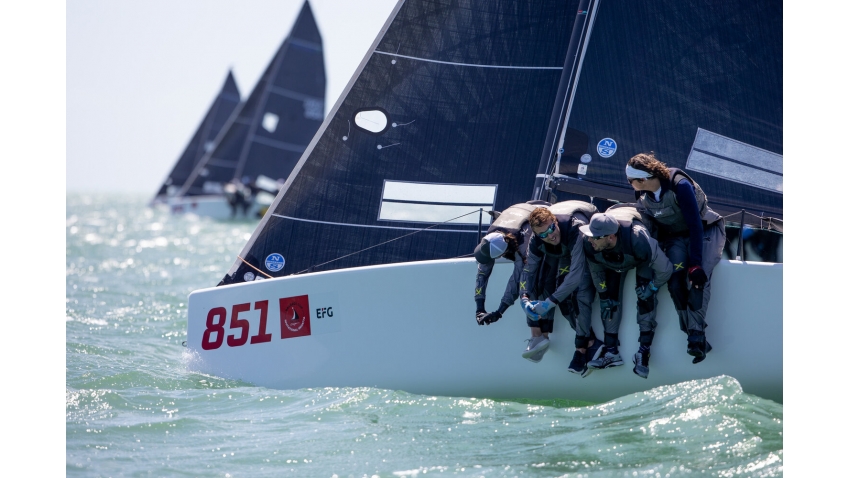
[411, 327]
[214, 206]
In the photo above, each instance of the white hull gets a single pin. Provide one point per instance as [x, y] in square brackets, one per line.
[411, 327]
[213, 206]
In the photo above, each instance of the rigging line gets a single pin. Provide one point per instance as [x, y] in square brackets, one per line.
[385, 242]
[738, 213]
[252, 267]
[473, 65]
[378, 227]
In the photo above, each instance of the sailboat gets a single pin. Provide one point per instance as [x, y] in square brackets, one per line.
[360, 273]
[265, 136]
[202, 141]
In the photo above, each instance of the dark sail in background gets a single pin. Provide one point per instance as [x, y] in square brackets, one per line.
[700, 83]
[270, 130]
[447, 114]
[203, 140]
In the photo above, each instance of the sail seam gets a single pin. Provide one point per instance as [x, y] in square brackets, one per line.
[472, 64]
[305, 44]
[279, 144]
[225, 163]
[293, 94]
[376, 227]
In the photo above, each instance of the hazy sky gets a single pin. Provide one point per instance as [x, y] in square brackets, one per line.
[142, 74]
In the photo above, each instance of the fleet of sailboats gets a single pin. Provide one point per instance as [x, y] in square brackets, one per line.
[202, 142]
[241, 170]
[359, 273]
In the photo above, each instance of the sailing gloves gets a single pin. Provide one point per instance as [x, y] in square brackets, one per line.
[528, 308]
[697, 277]
[542, 307]
[646, 291]
[607, 307]
[488, 318]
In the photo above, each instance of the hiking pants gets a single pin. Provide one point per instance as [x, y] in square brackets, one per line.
[676, 248]
[578, 308]
[646, 310]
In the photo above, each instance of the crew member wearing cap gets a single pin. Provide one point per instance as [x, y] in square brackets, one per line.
[556, 237]
[508, 236]
[614, 246]
[690, 233]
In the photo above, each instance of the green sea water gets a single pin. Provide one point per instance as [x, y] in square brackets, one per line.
[132, 408]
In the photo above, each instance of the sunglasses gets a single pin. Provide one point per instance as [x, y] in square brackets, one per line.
[596, 238]
[639, 180]
[550, 230]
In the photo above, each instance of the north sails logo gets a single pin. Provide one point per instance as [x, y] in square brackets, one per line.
[294, 317]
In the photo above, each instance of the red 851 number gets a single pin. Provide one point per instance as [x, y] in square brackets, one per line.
[214, 335]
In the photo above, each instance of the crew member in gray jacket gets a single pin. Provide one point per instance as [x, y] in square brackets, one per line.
[614, 242]
[508, 236]
[556, 237]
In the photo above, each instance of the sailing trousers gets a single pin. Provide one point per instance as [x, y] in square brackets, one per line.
[545, 285]
[646, 309]
[577, 308]
[676, 248]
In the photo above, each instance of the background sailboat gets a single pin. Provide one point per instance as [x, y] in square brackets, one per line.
[451, 113]
[266, 135]
[202, 141]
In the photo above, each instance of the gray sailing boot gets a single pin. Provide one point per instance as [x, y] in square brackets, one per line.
[537, 346]
[607, 360]
[641, 361]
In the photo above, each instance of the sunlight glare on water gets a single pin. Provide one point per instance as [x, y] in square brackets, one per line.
[132, 408]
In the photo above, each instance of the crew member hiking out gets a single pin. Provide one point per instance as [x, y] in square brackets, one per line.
[614, 242]
[508, 236]
[238, 196]
[557, 238]
[690, 233]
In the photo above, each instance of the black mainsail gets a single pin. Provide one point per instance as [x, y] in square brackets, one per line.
[456, 99]
[700, 83]
[445, 116]
[203, 140]
[270, 130]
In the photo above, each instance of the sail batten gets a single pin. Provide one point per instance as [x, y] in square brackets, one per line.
[396, 55]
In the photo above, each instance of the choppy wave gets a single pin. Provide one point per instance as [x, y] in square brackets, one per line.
[132, 408]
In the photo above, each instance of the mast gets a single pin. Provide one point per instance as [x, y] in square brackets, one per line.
[566, 90]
